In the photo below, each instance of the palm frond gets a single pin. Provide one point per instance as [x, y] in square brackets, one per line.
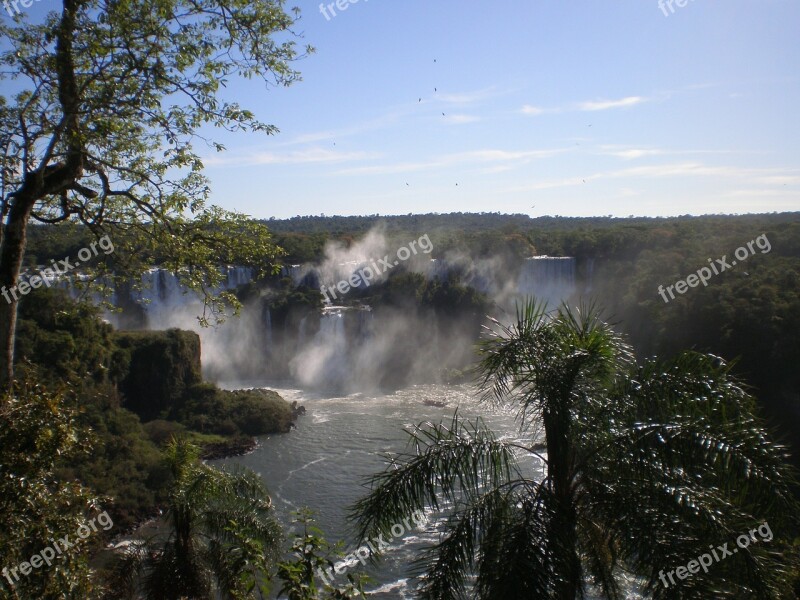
[448, 462]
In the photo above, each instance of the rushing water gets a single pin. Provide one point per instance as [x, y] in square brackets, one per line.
[338, 443]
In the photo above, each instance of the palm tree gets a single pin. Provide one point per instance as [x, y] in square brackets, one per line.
[222, 537]
[645, 467]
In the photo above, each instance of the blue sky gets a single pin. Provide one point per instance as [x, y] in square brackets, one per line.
[584, 107]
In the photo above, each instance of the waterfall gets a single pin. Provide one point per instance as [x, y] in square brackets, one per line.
[548, 278]
[268, 328]
[295, 272]
[238, 276]
[301, 332]
[437, 269]
[323, 361]
[163, 297]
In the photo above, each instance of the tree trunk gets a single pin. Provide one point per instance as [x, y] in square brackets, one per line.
[45, 181]
[12, 251]
[562, 534]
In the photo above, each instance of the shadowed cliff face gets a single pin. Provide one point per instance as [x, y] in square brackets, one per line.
[161, 367]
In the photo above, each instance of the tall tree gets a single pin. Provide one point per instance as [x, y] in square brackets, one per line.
[222, 537]
[645, 468]
[109, 98]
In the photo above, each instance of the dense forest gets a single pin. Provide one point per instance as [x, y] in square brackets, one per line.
[749, 314]
[137, 391]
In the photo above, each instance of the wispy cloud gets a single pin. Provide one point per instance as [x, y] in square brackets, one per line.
[529, 109]
[468, 97]
[380, 122]
[586, 106]
[611, 104]
[634, 152]
[310, 155]
[496, 158]
[777, 180]
[461, 119]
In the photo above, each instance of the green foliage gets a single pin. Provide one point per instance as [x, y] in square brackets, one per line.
[68, 339]
[161, 367]
[48, 244]
[36, 506]
[222, 537]
[300, 247]
[355, 225]
[118, 378]
[125, 464]
[108, 102]
[646, 466]
[312, 554]
[209, 409]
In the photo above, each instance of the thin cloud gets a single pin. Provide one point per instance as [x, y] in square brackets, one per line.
[742, 176]
[468, 97]
[497, 158]
[529, 109]
[611, 104]
[587, 106]
[380, 122]
[633, 152]
[308, 156]
[461, 119]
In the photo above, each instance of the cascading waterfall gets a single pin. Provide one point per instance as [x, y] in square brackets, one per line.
[339, 347]
[549, 278]
[323, 361]
[162, 295]
[268, 327]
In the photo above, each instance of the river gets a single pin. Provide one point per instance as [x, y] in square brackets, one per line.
[323, 463]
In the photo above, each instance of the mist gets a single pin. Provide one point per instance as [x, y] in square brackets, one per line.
[359, 341]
